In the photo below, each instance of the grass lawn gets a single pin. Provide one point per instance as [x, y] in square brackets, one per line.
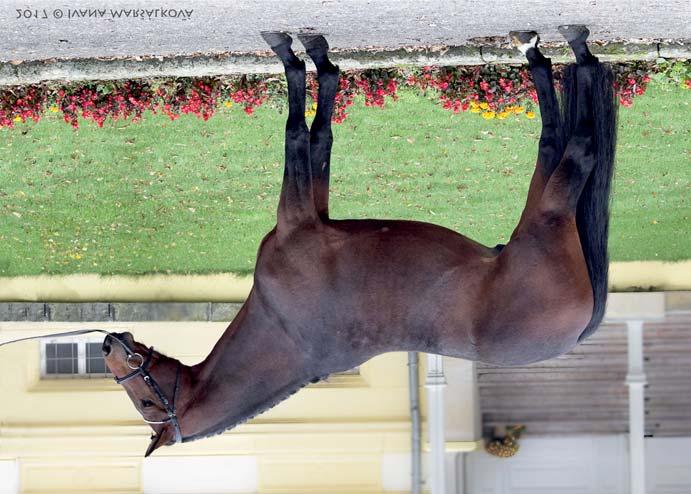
[194, 197]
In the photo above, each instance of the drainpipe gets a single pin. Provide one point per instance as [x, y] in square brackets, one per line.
[435, 384]
[636, 381]
[416, 446]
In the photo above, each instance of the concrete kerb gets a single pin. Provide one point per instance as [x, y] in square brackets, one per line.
[216, 64]
[675, 49]
[113, 312]
[199, 65]
[561, 53]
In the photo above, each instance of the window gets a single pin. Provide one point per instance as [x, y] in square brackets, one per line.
[79, 358]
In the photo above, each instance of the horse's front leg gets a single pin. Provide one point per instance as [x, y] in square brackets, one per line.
[296, 206]
[551, 141]
[321, 137]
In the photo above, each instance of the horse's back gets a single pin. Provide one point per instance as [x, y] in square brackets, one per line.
[432, 288]
[415, 283]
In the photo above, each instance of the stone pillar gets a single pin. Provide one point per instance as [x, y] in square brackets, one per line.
[636, 381]
[435, 383]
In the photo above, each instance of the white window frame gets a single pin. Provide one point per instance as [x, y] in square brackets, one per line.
[81, 342]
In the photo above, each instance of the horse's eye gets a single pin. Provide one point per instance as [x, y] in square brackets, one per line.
[147, 403]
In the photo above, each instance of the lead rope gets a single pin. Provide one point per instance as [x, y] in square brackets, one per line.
[67, 333]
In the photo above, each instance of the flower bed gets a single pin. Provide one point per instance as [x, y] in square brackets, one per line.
[491, 91]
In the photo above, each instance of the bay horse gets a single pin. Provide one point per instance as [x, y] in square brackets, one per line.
[330, 294]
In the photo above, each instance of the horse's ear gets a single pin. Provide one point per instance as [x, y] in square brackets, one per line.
[160, 439]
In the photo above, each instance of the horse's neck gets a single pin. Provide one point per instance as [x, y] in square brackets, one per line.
[254, 341]
[255, 363]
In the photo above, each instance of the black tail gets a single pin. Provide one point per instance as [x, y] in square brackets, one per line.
[592, 216]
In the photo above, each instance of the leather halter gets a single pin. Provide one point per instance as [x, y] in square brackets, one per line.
[141, 369]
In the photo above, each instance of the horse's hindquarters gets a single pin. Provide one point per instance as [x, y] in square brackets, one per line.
[539, 299]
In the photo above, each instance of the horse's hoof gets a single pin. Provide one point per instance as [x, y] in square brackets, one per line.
[524, 40]
[276, 38]
[312, 42]
[574, 33]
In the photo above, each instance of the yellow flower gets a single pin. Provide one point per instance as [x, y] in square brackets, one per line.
[475, 110]
[484, 106]
[488, 115]
[17, 118]
[519, 109]
[314, 105]
[530, 114]
[473, 104]
[54, 109]
[228, 104]
[310, 113]
[503, 114]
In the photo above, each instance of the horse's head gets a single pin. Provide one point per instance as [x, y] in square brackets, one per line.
[152, 382]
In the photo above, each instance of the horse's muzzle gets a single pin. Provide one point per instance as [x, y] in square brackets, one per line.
[106, 348]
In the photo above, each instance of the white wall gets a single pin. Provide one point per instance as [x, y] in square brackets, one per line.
[580, 465]
[396, 472]
[195, 474]
[577, 465]
[9, 477]
[668, 465]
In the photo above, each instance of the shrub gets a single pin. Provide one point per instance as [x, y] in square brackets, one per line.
[491, 91]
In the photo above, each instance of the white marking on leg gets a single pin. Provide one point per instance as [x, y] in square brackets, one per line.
[526, 46]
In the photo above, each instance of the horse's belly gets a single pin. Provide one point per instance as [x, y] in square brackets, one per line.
[530, 330]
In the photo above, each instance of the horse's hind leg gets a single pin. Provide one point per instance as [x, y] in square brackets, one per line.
[321, 137]
[576, 35]
[550, 145]
[568, 180]
[296, 204]
[590, 121]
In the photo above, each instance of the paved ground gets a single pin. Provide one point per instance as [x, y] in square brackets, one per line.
[46, 28]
